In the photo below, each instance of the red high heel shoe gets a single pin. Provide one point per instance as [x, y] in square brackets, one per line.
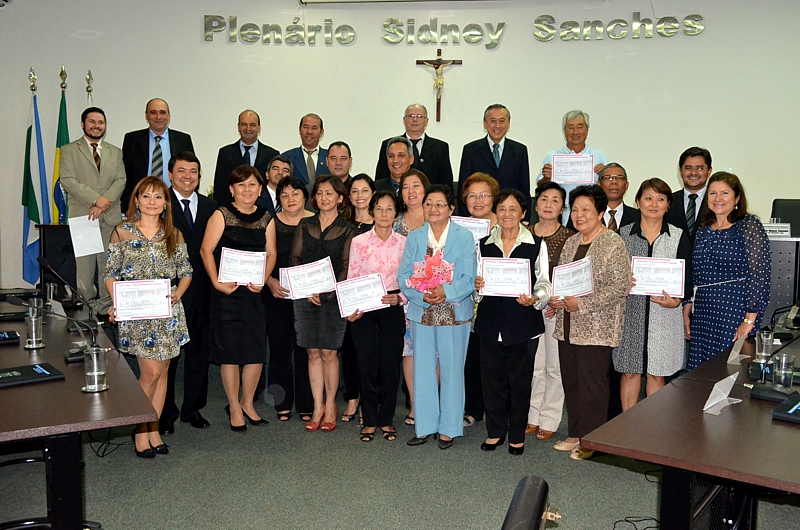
[328, 426]
[312, 426]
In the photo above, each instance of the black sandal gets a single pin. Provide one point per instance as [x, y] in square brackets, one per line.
[367, 436]
[305, 416]
[389, 435]
[284, 416]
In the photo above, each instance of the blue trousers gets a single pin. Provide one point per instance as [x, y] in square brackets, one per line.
[438, 411]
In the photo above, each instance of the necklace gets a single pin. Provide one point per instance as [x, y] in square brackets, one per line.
[583, 238]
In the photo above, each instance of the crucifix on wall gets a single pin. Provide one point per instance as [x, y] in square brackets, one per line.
[438, 65]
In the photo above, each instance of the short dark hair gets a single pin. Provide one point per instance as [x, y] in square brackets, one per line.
[541, 188]
[496, 106]
[185, 156]
[739, 212]
[338, 187]
[411, 173]
[340, 143]
[244, 172]
[89, 111]
[312, 115]
[594, 193]
[658, 186]
[366, 178]
[445, 190]
[294, 183]
[281, 158]
[695, 151]
[400, 140]
[380, 194]
[512, 192]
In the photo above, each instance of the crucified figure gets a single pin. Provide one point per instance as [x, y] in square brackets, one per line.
[438, 65]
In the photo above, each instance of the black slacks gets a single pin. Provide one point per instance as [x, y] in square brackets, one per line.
[378, 337]
[473, 391]
[506, 374]
[288, 384]
[350, 374]
[585, 376]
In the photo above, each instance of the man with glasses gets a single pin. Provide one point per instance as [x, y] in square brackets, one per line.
[688, 204]
[431, 156]
[614, 181]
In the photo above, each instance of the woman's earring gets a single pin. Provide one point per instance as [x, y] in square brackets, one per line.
[138, 213]
[164, 212]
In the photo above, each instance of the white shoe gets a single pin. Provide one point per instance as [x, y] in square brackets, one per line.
[566, 447]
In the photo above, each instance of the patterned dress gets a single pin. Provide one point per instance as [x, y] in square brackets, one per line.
[136, 257]
[731, 269]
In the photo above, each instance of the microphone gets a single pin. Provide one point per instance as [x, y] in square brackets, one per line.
[45, 264]
[770, 391]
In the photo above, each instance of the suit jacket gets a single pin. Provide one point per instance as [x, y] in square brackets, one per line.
[676, 215]
[84, 184]
[136, 155]
[229, 158]
[514, 170]
[460, 250]
[196, 296]
[434, 161]
[265, 201]
[385, 184]
[298, 158]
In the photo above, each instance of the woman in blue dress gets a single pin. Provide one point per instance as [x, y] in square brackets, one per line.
[731, 269]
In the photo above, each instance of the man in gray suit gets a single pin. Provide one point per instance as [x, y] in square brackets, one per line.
[93, 175]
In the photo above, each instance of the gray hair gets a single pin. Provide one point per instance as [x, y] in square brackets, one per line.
[614, 165]
[400, 140]
[416, 105]
[496, 106]
[572, 115]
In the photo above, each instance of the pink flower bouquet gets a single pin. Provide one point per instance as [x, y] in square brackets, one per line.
[430, 273]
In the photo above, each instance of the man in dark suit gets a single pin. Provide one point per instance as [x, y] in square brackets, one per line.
[695, 168]
[147, 151]
[498, 156]
[614, 181]
[431, 156]
[190, 214]
[309, 159]
[279, 168]
[399, 158]
[247, 151]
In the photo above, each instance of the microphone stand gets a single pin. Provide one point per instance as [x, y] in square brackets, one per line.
[770, 391]
[45, 264]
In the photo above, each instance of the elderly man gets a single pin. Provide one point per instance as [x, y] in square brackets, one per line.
[247, 151]
[399, 158]
[147, 151]
[279, 168]
[575, 125]
[431, 156]
[93, 174]
[614, 181]
[309, 159]
[688, 205]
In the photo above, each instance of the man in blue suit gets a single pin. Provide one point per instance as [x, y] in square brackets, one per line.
[308, 160]
[279, 168]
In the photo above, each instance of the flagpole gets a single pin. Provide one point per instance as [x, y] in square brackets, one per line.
[60, 199]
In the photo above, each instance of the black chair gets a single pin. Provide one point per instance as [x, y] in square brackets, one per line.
[530, 509]
[788, 211]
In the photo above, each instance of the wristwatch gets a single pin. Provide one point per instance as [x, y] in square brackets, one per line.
[748, 321]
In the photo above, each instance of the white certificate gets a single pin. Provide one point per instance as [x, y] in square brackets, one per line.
[85, 234]
[478, 227]
[284, 278]
[654, 275]
[242, 267]
[311, 278]
[573, 279]
[573, 169]
[505, 276]
[138, 299]
[363, 293]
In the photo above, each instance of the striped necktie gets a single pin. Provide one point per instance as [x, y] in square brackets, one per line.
[158, 160]
[96, 155]
[691, 212]
[612, 220]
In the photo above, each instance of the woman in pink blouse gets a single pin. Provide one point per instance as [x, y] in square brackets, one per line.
[378, 335]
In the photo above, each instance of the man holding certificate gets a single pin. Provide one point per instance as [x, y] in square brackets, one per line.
[513, 285]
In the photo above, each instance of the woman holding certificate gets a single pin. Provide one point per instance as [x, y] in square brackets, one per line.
[652, 340]
[731, 267]
[437, 275]
[509, 325]
[238, 325]
[318, 324]
[378, 334]
[588, 325]
[149, 247]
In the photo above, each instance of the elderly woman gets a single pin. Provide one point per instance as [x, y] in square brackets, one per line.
[652, 340]
[478, 194]
[440, 312]
[413, 184]
[588, 328]
[547, 393]
[731, 268]
[288, 386]
[509, 328]
[238, 323]
[149, 247]
[379, 334]
[317, 322]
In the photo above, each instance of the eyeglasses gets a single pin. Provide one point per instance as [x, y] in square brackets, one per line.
[614, 178]
[380, 210]
[472, 197]
[435, 205]
[689, 169]
[416, 116]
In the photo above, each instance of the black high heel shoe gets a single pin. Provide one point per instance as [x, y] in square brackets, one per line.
[486, 446]
[516, 450]
[257, 422]
[147, 453]
[235, 428]
[161, 449]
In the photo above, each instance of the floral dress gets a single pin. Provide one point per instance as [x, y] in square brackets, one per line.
[136, 257]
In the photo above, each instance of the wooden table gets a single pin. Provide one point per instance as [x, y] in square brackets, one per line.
[57, 412]
[743, 450]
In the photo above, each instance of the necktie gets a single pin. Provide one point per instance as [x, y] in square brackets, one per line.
[312, 174]
[612, 220]
[278, 207]
[96, 156]
[158, 160]
[188, 213]
[496, 154]
[247, 159]
[691, 212]
[415, 144]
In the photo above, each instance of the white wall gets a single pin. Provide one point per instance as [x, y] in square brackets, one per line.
[732, 89]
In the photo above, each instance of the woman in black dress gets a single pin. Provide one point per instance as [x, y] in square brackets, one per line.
[238, 330]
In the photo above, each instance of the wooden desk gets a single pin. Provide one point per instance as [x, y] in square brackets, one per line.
[57, 412]
[743, 445]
